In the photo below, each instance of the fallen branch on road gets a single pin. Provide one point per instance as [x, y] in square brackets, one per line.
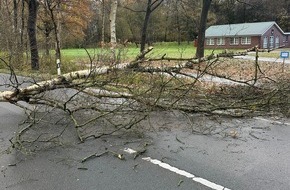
[97, 155]
[108, 100]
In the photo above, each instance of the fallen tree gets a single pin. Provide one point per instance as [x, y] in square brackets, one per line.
[66, 80]
[123, 95]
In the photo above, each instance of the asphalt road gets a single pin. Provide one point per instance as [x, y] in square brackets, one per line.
[60, 167]
[237, 154]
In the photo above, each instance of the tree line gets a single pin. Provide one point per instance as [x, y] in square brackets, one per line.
[178, 20]
[30, 25]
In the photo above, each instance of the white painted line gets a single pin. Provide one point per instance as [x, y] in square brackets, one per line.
[209, 184]
[168, 167]
[272, 121]
[185, 174]
[130, 151]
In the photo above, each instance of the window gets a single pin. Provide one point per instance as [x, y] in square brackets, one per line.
[220, 41]
[210, 41]
[265, 42]
[277, 42]
[246, 40]
[234, 41]
[285, 39]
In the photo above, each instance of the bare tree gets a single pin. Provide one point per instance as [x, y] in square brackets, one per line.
[151, 6]
[54, 14]
[31, 28]
[202, 28]
[113, 13]
[103, 23]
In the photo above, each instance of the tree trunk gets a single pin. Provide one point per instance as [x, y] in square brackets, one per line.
[103, 24]
[151, 6]
[113, 13]
[202, 28]
[31, 29]
[47, 31]
[22, 24]
[15, 17]
[57, 35]
[66, 80]
[17, 50]
[56, 28]
[145, 26]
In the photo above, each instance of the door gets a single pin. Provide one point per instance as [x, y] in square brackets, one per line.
[271, 42]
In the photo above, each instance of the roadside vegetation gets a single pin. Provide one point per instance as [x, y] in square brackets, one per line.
[78, 58]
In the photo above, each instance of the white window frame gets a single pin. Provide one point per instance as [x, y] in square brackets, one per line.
[234, 41]
[265, 42]
[246, 40]
[220, 41]
[277, 41]
[210, 41]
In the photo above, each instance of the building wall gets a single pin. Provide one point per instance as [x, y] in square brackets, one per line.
[286, 41]
[278, 38]
[255, 40]
[272, 38]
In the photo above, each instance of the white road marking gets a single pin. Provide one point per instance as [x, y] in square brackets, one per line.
[186, 174]
[168, 167]
[179, 172]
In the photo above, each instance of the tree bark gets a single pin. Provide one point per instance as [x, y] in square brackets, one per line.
[22, 23]
[145, 26]
[202, 28]
[151, 6]
[57, 29]
[113, 13]
[66, 80]
[103, 25]
[15, 16]
[31, 29]
[55, 16]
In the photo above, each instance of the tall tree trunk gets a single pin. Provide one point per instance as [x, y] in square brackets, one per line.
[145, 26]
[57, 29]
[151, 6]
[202, 28]
[47, 44]
[15, 16]
[178, 22]
[31, 29]
[103, 24]
[113, 13]
[17, 49]
[22, 24]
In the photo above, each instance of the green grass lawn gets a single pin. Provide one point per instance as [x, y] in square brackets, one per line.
[274, 54]
[171, 49]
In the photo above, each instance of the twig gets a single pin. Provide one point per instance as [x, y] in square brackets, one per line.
[179, 140]
[180, 182]
[95, 155]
